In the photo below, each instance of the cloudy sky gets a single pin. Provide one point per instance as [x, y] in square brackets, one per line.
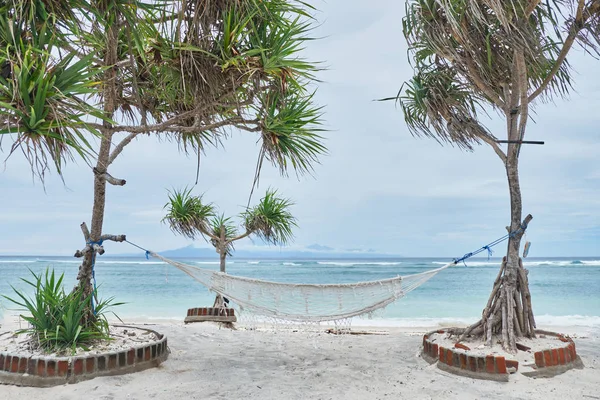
[379, 188]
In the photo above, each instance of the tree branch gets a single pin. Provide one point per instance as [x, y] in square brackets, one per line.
[207, 233]
[119, 148]
[246, 234]
[531, 7]
[481, 85]
[109, 178]
[113, 238]
[490, 140]
[170, 125]
[524, 101]
[576, 26]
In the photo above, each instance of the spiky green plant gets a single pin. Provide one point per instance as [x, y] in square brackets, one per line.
[506, 55]
[55, 317]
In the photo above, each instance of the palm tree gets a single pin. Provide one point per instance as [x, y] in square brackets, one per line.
[183, 70]
[270, 221]
[43, 105]
[504, 55]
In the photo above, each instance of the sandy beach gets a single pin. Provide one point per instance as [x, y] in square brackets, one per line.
[208, 362]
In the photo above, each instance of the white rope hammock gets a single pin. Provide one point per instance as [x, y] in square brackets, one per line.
[306, 302]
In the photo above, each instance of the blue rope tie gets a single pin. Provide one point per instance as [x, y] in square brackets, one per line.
[488, 247]
[141, 248]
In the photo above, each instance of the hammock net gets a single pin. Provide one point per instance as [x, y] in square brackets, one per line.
[306, 303]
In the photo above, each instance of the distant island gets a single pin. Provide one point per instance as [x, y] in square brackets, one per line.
[313, 251]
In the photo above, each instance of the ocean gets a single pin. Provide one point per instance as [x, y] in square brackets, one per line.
[565, 291]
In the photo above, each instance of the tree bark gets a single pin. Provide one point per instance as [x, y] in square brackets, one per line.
[100, 172]
[222, 249]
[222, 257]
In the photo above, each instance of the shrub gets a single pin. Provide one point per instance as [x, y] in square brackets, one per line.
[56, 318]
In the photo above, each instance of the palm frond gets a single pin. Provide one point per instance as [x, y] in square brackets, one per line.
[271, 219]
[290, 131]
[187, 215]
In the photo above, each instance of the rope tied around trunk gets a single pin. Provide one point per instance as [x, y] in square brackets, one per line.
[488, 247]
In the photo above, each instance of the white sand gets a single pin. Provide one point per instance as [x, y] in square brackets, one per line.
[211, 363]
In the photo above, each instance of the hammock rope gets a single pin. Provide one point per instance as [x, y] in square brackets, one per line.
[313, 302]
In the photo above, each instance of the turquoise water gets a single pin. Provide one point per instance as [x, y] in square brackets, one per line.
[565, 291]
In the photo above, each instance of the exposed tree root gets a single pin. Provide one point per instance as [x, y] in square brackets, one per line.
[508, 313]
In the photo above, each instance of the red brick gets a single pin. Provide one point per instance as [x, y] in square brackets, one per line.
[548, 358]
[434, 350]
[481, 364]
[567, 355]
[41, 368]
[426, 347]
[31, 366]
[147, 353]
[63, 368]
[512, 364]
[50, 368]
[554, 356]
[23, 365]
[472, 361]
[78, 366]
[130, 357]
[122, 359]
[461, 346]
[90, 363]
[500, 365]
[14, 367]
[112, 361]
[101, 363]
[561, 356]
[449, 357]
[425, 337]
[441, 331]
[573, 352]
[2, 362]
[442, 355]
[463, 361]
[563, 339]
[489, 365]
[539, 359]
[455, 359]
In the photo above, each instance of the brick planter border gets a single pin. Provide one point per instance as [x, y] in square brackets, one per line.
[492, 367]
[45, 371]
[216, 314]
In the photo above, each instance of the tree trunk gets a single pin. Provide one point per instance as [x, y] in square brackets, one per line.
[219, 302]
[223, 257]
[508, 314]
[86, 269]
